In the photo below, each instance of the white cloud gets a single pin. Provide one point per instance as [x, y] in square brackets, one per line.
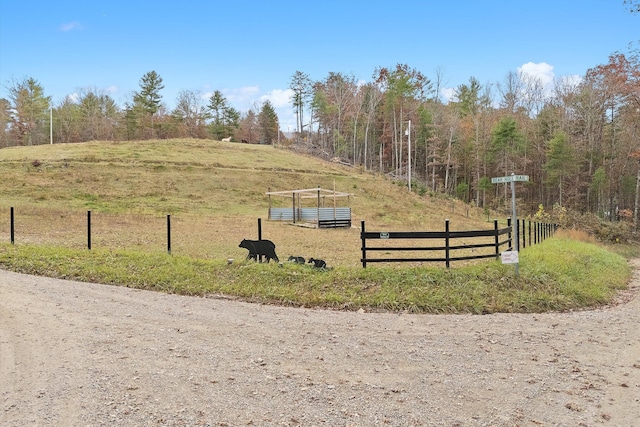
[542, 72]
[249, 97]
[278, 97]
[74, 97]
[112, 89]
[572, 80]
[244, 97]
[447, 94]
[70, 26]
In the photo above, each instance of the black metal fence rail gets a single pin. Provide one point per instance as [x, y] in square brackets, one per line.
[536, 231]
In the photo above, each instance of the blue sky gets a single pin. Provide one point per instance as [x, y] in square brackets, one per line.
[249, 50]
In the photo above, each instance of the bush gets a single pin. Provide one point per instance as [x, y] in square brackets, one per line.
[603, 231]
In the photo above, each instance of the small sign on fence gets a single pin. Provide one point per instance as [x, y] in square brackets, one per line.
[509, 257]
[384, 235]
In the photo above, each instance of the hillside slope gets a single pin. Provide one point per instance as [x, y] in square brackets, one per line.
[215, 191]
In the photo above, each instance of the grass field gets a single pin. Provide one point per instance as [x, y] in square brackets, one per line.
[215, 194]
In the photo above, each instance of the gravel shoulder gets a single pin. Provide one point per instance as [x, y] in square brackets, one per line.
[80, 354]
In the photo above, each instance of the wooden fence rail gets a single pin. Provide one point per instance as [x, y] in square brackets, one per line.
[452, 242]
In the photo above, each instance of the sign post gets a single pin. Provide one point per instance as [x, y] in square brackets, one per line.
[512, 256]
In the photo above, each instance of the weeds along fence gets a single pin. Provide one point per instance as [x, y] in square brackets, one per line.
[458, 245]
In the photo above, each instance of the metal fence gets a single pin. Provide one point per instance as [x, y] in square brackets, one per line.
[322, 217]
[480, 243]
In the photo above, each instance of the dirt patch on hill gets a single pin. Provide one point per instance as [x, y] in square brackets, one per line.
[79, 354]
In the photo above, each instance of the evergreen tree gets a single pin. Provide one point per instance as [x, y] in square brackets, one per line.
[231, 120]
[30, 118]
[560, 163]
[224, 118]
[268, 122]
[148, 101]
[301, 86]
[506, 144]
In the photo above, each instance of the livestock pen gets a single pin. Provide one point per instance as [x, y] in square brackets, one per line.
[320, 215]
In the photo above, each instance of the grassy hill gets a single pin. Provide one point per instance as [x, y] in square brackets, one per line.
[215, 193]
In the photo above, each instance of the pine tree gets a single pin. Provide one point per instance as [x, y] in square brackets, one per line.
[560, 163]
[224, 118]
[148, 100]
[30, 112]
[301, 86]
[268, 122]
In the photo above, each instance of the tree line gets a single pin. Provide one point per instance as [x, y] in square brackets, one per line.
[579, 143]
[26, 115]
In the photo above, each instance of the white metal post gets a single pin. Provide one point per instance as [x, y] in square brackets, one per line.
[409, 148]
[516, 243]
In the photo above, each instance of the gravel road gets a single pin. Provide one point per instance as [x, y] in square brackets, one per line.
[80, 354]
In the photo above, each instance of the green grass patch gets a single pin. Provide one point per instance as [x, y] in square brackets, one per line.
[557, 275]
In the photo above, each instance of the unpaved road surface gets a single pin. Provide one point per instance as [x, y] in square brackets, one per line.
[79, 354]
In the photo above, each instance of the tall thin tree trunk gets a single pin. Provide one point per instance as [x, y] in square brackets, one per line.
[448, 165]
[635, 207]
[366, 143]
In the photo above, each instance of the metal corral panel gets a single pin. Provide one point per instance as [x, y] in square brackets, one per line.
[309, 214]
[337, 213]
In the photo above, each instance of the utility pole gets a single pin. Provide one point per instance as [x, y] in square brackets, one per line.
[408, 132]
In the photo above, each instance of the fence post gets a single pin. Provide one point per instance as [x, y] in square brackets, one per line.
[12, 227]
[540, 234]
[169, 234]
[530, 241]
[89, 230]
[446, 242]
[523, 232]
[510, 236]
[259, 236]
[364, 245]
[496, 238]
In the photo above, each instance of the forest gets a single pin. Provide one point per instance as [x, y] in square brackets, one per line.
[579, 143]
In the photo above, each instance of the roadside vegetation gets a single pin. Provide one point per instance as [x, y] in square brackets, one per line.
[215, 192]
[559, 274]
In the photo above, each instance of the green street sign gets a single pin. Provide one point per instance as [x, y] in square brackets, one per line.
[510, 178]
[511, 257]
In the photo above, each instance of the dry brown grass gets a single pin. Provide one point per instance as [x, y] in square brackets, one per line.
[214, 192]
[579, 235]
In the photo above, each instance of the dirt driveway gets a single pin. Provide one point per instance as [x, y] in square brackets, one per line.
[78, 354]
